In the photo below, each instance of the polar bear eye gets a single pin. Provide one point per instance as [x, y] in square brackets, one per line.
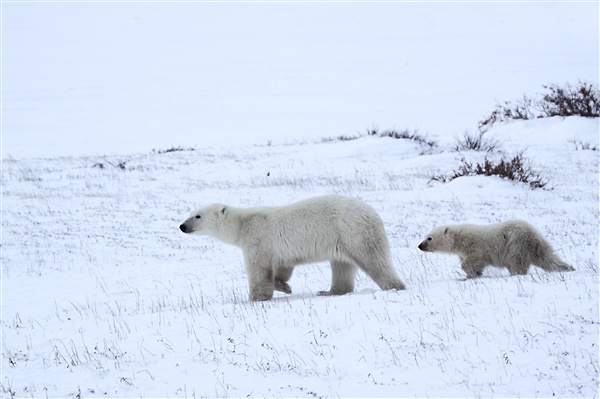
[198, 216]
[429, 238]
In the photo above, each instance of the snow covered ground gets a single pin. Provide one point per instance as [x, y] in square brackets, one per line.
[103, 296]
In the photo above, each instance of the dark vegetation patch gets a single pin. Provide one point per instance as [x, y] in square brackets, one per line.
[475, 142]
[581, 99]
[103, 165]
[173, 149]
[405, 134]
[516, 168]
[427, 144]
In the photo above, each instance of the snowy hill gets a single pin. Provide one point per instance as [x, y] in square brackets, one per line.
[104, 297]
[122, 77]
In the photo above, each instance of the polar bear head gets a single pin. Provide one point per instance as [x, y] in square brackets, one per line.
[440, 239]
[205, 221]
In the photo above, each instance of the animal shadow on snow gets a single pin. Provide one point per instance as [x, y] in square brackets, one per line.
[313, 295]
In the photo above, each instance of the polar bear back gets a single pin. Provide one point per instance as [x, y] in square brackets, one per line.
[315, 229]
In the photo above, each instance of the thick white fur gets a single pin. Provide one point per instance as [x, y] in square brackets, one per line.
[513, 244]
[343, 230]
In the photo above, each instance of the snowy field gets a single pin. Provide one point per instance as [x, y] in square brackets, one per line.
[103, 296]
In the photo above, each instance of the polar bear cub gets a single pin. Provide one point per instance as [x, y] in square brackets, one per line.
[343, 230]
[513, 244]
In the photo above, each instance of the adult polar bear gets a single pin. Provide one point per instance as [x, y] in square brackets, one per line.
[345, 231]
[513, 244]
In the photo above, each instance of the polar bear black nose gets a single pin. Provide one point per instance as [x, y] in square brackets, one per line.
[183, 228]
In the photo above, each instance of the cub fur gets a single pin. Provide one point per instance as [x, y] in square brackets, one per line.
[513, 244]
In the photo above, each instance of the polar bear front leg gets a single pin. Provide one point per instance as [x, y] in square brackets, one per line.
[473, 268]
[260, 278]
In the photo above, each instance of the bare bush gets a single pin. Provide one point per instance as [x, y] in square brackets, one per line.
[341, 137]
[581, 145]
[405, 134]
[173, 149]
[516, 169]
[581, 100]
[475, 142]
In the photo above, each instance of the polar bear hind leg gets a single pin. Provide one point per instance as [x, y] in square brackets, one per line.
[343, 275]
[283, 274]
[380, 269]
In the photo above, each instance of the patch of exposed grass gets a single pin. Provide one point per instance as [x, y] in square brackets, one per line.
[475, 142]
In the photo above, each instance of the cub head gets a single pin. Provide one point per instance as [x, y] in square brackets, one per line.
[205, 221]
[439, 239]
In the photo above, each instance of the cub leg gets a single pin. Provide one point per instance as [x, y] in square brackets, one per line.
[518, 268]
[474, 269]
